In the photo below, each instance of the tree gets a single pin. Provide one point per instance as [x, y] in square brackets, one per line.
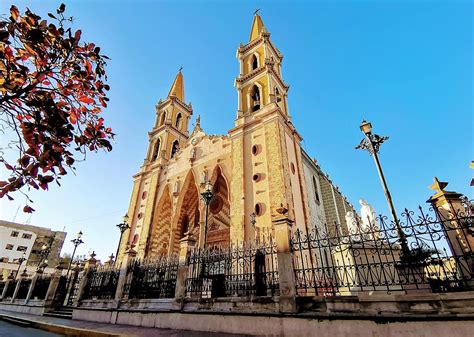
[52, 92]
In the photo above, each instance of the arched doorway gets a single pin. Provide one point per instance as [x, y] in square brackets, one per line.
[159, 234]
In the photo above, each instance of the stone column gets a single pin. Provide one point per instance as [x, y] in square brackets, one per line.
[88, 266]
[129, 256]
[186, 246]
[70, 283]
[453, 213]
[282, 227]
[53, 286]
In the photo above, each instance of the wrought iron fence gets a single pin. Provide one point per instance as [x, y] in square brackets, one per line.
[101, 283]
[23, 289]
[2, 286]
[41, 287]
[152, 278]
[10, 289]
[236, 271]
[425, 251]
[75, 279]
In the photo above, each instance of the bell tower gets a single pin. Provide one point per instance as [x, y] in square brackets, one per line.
[170, 131]
[267, 169]
[260, 80]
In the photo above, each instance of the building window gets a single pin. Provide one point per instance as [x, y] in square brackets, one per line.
[293, 170]
[255, 150]
[174, 148]
[15, 234]
[255, 98]
[26, 236]
[254, 62]
[21, 248]
[258, 209]
[9, 247]
[179, 117]
[316, 194]
[156, 150]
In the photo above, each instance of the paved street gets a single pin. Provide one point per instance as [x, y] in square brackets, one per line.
[11, 330]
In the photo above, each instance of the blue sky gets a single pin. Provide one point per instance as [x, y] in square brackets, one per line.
[404, 65]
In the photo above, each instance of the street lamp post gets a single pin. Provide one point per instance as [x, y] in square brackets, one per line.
[372, 143]
[76, 242]
[21, 260]
[122, 227]
[207, 195]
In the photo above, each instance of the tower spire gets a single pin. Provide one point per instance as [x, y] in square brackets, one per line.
[177, 89]
[257, 26]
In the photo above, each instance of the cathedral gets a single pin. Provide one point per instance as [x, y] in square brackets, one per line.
[257, 167]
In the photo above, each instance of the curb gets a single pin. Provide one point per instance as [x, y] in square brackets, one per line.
[57, 328]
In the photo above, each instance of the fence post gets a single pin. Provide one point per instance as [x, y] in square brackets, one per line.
[452, 210]
[129, 255]
[32, 286]
[186, 245]
[88, 266]
[286, 275]
[53, 286]
[17, 287]
[7, 283]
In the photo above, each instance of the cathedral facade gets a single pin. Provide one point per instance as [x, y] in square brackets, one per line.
[257, 167]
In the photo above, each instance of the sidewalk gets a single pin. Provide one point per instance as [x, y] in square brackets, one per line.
[84, 328]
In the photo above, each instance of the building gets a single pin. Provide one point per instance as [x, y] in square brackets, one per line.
[256, 168]
[16, 239]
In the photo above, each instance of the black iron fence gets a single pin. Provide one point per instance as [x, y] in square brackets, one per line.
[41, 287]
[236, 271]
[2, 286]
[152, 278]
[101, 283]
[10, 289]
[23, 289]
[425, 251]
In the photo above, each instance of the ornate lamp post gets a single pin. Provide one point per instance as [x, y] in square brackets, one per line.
[20, 261]
[122, 227]
[372, 143]
[207, 195]
[76, 242]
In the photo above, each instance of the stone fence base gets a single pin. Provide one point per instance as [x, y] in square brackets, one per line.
[33, 307]
[289, 326]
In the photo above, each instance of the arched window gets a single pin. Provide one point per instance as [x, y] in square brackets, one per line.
[277, 95]
[174, 148]
[163, 118]
[254, 62]
[315, 187]
[255, 98]
[156, 150]
[179, 117]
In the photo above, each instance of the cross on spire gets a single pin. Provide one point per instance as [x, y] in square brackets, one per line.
[181, 68]
[256, 11]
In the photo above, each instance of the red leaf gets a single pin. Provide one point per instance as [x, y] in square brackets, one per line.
[28, 209]
[15, 13]
[86, 100]
[77, 36]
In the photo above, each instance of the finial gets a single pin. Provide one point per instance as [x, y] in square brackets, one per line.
[181, 68]
[438, 186]
[198, 121]
[256, 11]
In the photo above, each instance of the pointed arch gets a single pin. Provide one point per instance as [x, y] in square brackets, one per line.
[179, 118]
[156, 149]
[254, 61]
[255, 98]
[163, 118]
[174, 148]
[187, 211]
[159, 233]
[219, 211]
